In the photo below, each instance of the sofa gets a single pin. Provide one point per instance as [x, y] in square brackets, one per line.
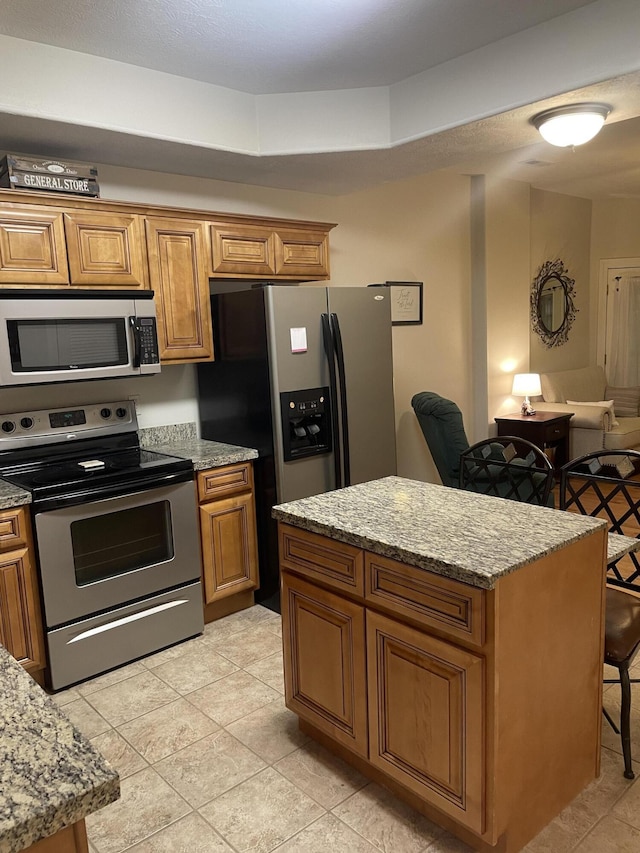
[604, 417]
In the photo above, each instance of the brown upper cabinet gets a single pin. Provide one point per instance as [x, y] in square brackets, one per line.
[106, 249]
[48, 241]
[32, 247]
[178, 279]
[269, 252]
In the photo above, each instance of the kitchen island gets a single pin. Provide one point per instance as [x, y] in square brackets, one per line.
[51, 777]
[450, 646]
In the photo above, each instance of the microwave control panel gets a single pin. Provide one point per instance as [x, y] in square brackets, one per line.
[147, 340]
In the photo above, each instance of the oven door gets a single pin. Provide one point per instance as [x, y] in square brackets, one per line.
[104, 553]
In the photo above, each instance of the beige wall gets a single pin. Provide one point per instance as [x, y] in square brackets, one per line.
[416, 230]
[615, 233]
[508, 265]
[561, 228]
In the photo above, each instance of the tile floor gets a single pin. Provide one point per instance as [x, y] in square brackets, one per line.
[211, 761]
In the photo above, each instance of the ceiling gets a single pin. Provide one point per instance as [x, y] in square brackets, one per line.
[275, 46]
[282, 46]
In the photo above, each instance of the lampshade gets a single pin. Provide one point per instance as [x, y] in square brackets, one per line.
[571, 125]
[526, 385]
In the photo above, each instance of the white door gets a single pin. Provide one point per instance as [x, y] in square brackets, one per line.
[619, 320]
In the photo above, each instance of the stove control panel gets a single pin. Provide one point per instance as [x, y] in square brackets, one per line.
[50, 426]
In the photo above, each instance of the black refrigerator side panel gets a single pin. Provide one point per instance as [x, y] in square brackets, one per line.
[235, 407]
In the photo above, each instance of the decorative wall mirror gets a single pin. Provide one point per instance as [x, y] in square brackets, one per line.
[552, 309]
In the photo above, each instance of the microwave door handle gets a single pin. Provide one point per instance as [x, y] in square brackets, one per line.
[135, 331]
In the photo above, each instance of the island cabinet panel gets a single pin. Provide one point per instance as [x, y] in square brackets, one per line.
[426, 717]
[176, 249]
[106, 249]
[242, 250]
[335, 564]
[325, 667]
[303, 254]
[453, 608]
[20, 622]
[32, 247]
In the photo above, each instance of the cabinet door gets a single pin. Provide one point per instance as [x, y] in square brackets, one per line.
[32, 248]
[302, 254]
[243, 250]
[427, 718]
[20, 627]
[176, 249]
[229, 546]
[105, 249]
[324, 661]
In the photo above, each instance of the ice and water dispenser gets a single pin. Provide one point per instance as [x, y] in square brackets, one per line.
[306, 423]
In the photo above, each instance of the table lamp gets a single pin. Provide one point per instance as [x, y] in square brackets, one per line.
[526, 385]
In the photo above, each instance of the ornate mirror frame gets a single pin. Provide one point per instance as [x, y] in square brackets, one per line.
[555, 272]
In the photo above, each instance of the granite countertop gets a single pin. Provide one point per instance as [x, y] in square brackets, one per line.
[472, 538]
[11, 495]
[50, 775]
[181, 440]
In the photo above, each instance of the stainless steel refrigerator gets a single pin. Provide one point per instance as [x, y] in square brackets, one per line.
[305, 375]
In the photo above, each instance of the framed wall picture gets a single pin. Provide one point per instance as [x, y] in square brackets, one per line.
[406, 302]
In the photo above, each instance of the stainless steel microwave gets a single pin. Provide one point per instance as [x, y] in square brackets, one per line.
[65, 335]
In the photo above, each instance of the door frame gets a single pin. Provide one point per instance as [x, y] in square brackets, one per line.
[607, 265]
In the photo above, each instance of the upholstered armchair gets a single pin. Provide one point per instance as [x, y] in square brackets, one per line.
[441, 423]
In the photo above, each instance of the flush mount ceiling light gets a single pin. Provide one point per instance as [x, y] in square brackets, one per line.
[571, 125]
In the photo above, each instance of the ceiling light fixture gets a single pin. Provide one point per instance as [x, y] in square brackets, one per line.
[571, 125]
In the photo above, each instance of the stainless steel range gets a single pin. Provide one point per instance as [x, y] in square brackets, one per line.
[116, 535]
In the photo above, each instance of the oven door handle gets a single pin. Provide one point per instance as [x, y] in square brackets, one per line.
[115, 490]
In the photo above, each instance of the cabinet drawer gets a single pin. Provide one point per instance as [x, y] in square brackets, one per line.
[221, 482]
[334, 563]
[13, 529]
[436, 602]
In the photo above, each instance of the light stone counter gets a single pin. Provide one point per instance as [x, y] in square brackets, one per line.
[181, 440]
[462, 535]
[50, 775]
[11, 495]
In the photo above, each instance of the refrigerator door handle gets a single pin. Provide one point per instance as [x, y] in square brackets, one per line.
[329, 348]
[337, 338]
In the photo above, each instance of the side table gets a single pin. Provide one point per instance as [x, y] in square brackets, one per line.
[544, 429]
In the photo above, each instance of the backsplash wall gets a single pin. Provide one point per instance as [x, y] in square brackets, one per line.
[170, 397]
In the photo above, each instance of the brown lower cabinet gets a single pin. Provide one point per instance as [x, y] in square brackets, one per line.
[480, 707]
[228, 533]
[20, 620]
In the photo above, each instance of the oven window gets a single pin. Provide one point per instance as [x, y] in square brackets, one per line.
[105, 546]
[64, 344]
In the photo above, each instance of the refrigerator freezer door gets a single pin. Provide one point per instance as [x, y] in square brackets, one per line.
[298, 361]
[365, 327]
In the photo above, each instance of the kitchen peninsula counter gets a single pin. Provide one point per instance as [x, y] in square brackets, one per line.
[450, 646]
[51, 777]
